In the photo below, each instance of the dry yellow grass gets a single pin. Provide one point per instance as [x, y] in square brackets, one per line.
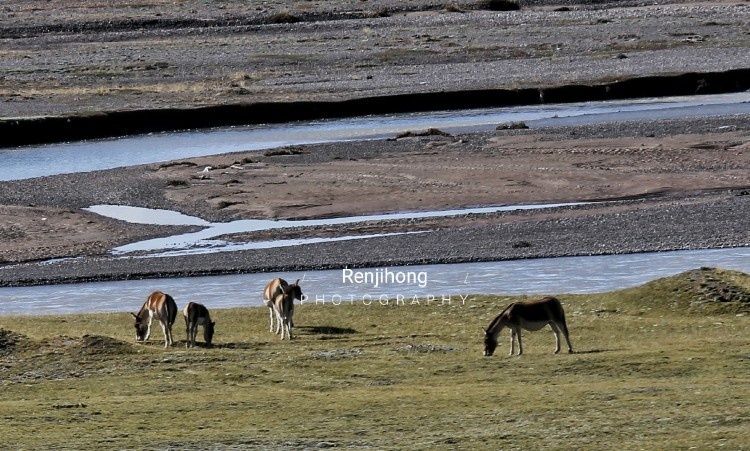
[661, 366]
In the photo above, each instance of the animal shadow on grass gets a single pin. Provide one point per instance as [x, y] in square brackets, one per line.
[179, 344]
[593, 351]
[154, 343]
[201, 344]
[239, 345]
[327, 330]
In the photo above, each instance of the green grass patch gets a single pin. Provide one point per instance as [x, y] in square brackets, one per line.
[660, 366]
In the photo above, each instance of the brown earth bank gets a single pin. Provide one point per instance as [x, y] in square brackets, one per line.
[680, 184]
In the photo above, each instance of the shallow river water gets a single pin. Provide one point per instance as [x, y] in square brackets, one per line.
[454, 283]
[204, 241]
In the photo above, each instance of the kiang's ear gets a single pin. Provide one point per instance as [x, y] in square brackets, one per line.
[134, 315]
[297, 282]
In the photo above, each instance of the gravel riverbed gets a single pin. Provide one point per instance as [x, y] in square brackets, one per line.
[673, 184]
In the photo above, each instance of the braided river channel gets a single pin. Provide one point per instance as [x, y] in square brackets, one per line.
[427, 284]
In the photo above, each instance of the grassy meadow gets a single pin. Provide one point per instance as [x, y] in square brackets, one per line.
[662, 366]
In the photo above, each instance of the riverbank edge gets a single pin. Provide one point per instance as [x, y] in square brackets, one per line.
[24, 131]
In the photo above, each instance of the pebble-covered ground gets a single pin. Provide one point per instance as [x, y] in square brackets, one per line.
[685, 181]
[61, 58]
[710, 208]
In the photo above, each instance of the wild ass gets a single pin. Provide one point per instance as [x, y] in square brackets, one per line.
[283, 307]
[164, 308]
[197, 315]
[275, 288]
[531, 316]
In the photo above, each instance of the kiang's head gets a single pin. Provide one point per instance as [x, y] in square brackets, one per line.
[294, 290]
[208, 332]
[490, 343]
[141, 326]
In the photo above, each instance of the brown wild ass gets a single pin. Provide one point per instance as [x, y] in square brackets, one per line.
[275, 288]
[163, 307]
[197, 315]
[283, 306]
[531, 316]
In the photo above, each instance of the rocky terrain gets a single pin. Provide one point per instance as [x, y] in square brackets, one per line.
[678, 184]
[156, 63]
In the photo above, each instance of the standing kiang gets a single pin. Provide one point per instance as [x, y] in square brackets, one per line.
[197, 315]
[161, 306]
[531, 316]
[279, 297]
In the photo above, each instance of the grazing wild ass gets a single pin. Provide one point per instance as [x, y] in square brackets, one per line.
[163, 307]
[197, 315]
[283, 306]
[531, 316]
[275, 288]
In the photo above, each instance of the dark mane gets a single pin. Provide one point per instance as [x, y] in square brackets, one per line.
[494, 322]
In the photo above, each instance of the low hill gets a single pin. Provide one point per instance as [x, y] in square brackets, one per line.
[704, 290]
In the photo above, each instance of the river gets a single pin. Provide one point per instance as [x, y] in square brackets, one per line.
[453, 283]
